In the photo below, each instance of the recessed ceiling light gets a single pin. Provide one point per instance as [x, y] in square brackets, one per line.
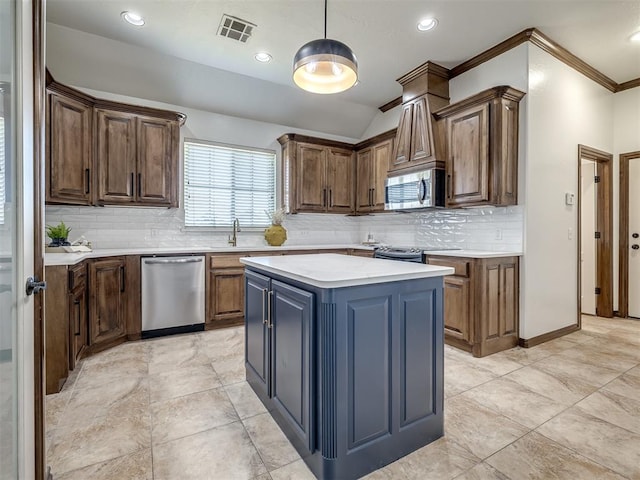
[132, 18]
[635, 37]
[262, 57]
[427, 24]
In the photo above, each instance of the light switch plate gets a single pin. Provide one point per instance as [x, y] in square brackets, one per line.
[569, 198]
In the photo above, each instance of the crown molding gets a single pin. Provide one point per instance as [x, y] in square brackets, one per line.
[540, 40]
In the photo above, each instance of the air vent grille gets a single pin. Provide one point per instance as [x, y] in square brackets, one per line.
[235, 28]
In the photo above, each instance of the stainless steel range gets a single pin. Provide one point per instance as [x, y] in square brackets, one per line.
[406, 254]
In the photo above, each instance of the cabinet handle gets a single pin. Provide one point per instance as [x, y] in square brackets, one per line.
[449, 186]
[264, 302]
[371, 197]
[77, 304]
[139, 184]
[324, 197]
[70, 280]
[269, 317]
[132, 184]
[122, 280]
[86, 180]
[330, 197]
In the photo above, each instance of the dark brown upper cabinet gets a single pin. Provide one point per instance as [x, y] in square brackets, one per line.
[482, 146]
[372, 163]
[69, 150]
[418, 143]
[137, 159]
[101, 152]
[318, 175]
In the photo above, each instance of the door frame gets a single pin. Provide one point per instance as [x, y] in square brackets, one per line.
[623, 252]
[604, 224]
[37, 25]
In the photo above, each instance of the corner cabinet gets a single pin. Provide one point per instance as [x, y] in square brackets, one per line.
[107, 302]
[318, 175]
[69, 150]
[66, 322]
[372, 164]
[101, 152]
[482, 145]
[481, 301]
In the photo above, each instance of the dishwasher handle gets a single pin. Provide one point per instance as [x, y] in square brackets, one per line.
[173, 260]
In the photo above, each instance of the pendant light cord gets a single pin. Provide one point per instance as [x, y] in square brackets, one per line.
[325, 19]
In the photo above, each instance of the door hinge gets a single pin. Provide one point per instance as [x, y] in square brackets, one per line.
[597, 290]
[597, 235]
[596, 179]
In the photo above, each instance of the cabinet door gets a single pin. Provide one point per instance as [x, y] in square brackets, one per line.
[381, 157]
[340, 181]
[116, 156]
[69, 153]
[457, 308]
[77, 325]
[402, 147]
[499, 308]
[468, 162]
[421, 136]
[106, 304]
[291, 314]
[364, 166]
[226, 297]
[157, 162]
[312, 181]
[256, 328]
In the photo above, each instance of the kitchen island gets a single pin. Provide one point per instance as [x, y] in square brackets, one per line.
[346, 353]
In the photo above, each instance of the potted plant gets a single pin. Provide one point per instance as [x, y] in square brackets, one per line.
[58, 235]
[276, 235]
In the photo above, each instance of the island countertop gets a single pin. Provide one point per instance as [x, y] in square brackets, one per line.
[330, 270]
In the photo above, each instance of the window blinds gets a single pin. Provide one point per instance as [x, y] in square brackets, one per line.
[222, 183]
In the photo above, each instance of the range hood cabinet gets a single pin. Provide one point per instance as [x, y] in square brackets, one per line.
[420, 141]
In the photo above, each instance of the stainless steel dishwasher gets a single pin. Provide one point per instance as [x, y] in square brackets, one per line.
[172, 295]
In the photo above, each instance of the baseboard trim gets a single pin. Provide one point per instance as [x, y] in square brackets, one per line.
[545, 337]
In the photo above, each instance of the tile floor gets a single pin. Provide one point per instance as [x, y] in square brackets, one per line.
[179, 408]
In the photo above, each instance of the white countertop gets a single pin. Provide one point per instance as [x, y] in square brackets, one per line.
[472, 253]
[330, 270]
[73, 258]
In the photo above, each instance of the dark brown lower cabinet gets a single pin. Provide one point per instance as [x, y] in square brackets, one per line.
[107, 302]
[65, 322]
[481, 302]
[226, 298]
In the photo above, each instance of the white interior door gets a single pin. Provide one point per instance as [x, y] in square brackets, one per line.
[634, 229]
[16, 242]
[588, 200]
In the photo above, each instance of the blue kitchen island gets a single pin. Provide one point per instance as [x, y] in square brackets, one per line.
[346, 353]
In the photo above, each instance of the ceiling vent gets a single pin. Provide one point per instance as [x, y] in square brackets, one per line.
[235, 28]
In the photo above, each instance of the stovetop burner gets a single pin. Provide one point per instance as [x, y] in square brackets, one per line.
[391, 249]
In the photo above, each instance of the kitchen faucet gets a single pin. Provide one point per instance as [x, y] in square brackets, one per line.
[233, 239]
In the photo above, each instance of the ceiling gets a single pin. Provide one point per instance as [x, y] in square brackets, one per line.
[182, 34]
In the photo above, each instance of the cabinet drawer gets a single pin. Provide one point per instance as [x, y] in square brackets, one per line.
[229, 261]
[460, 266]
[77, 276]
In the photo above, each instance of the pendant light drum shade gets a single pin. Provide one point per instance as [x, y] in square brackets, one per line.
[325, 66]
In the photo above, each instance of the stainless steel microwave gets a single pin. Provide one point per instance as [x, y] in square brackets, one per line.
[424, 189]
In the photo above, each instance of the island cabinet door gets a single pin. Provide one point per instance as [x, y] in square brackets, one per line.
[290, 325]
[257, 328]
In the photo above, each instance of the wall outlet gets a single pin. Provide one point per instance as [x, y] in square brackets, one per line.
[498, 235]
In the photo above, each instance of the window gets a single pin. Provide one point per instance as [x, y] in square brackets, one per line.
[2, 171]
[224, 182]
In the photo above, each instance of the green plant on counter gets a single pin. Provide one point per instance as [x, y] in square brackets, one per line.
[58, 234]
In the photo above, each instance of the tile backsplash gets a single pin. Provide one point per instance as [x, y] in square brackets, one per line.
[489, 228]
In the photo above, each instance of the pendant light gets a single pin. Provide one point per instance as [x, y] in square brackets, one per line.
[325, 65]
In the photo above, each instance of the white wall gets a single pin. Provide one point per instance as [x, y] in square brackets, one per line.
[564, 109]
[383, 122]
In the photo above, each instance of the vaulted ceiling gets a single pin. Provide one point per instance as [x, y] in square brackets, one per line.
[177, 56]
